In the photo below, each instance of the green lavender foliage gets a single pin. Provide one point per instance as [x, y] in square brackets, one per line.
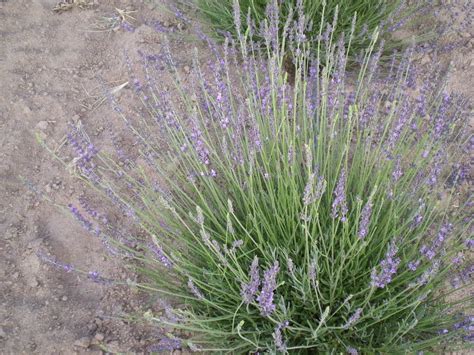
[261, 165]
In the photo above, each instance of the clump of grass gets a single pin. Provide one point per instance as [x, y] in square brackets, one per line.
[355, 19]
[314, 214]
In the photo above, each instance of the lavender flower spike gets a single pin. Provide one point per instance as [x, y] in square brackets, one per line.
[279, 342]
[160, 255]
[389, 267]
[353, 319]
[237, 19]
[339, 205]
[196, 292]
[365, 220]
[250, 289]
[265, 298]
[166, 344]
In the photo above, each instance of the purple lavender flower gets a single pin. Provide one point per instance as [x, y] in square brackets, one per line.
[237, 16]
[413, 265]
[430, 252]
[436, 169]
[84, 221]
[467, 326]
[85, 152]
[458, 259]
[427, 275]
[388, 266]
[441, 120]
[50, 260]
[365, 219]
[265, 298]
[466, 273]
[427, 252]
[270, 31]
[91, 211]
[127, 27]
[248, 290]
[417, 220]
[339, 205]
[397, 171]
[280, 344]
[404, 113]
[369, 110]
[166, 344]
[237, 244]
[160, 255]
[352, 351]
[353, 319]
[97, 278]
[91, 275]
[469, 243]
[195, 291]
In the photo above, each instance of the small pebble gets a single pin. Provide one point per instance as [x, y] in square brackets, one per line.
[42, 125]
[64, 298]
[83, 342]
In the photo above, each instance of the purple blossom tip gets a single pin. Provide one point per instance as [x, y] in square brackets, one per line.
[353, 319]
[365, 220]
[160, 255]
[265, 298]
[413, 265]
[249, 289]
[194, 290]
[166, 344]
[280, 344]
[388, 268]
[339, 205]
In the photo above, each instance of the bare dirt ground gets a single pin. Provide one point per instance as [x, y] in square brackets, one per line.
[49, 64]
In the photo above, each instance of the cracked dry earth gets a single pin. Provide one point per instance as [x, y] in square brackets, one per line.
[49, 64]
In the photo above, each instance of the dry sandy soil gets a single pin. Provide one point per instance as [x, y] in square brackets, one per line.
[49, 64]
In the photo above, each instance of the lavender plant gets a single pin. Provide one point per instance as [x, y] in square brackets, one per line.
[355, 19]
[312, 212]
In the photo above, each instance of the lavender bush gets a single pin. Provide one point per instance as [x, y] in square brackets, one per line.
[355, 18]
[313, 212]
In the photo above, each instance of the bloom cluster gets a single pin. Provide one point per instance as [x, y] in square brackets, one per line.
[339, 205]
[265, 298]
[430, 252]
[365, 220]
[249, 290]
[388, 268]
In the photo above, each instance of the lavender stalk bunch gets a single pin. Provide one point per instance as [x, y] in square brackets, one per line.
[253, 146]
